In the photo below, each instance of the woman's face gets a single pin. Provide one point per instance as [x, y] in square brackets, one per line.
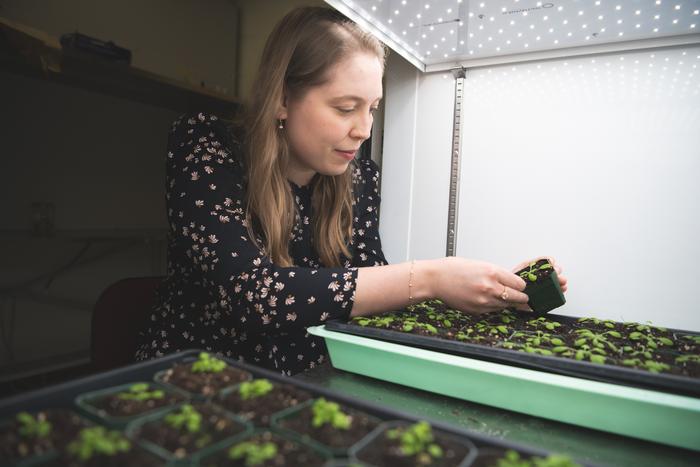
[326, 126]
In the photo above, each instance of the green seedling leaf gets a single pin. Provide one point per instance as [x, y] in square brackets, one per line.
[417, 440]
[31, 427]
[254, 453]
[329, 413]
[255, 388]
[140, 392]
[98, 441]
[187, 418]
[208, 364]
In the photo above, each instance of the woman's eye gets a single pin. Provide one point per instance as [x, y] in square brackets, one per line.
[345, 111]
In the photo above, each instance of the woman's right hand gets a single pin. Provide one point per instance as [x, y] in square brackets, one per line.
[477, 286]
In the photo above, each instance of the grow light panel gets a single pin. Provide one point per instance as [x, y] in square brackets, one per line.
[434, 32]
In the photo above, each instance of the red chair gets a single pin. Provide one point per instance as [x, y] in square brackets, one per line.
[120, 312]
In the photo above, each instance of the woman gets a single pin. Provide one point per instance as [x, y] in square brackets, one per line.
[278, 231]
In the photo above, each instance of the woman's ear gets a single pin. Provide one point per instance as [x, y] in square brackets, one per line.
[282, 111]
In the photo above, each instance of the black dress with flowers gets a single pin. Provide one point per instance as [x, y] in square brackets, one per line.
[221, 293]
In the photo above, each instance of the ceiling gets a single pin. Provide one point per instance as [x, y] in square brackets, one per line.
[437, 34]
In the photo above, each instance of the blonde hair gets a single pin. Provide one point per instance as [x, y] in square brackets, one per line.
[298, 54]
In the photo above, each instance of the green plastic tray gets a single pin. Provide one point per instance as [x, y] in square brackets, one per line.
[650, 415]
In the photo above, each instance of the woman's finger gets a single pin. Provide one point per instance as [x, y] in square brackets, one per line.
[510, 280]
[563, 282]
[510, 297]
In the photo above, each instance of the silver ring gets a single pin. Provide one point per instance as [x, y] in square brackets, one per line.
[504, 294]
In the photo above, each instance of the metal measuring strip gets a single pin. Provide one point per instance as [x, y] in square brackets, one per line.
[453, 204]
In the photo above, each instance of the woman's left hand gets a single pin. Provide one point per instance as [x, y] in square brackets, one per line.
[562, 279]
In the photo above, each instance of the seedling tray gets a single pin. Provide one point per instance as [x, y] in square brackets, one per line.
[563, 366]
[65, 396]
[641, 413]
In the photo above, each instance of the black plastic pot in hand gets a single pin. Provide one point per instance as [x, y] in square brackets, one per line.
[542, 286]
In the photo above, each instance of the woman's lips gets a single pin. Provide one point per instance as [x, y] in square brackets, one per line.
[349, 155]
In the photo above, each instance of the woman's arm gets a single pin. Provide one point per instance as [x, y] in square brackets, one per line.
[385, 288]
[463, 284]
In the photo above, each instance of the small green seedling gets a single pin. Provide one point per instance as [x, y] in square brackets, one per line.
[605, 322]
[140, 392]
[485, 327]
[417, 440]
[594, 354]
[513, 459]
[689, 358]
[543, 322]
[208, 364]
[651, 341]
[329, 413]
[31, 427]
[376, 321]
[693, 339]
[599, 340]
[255, 388]
[464, 334]
[530, 275]
[254, 453]
[650, 365]
[98, 441]
[187, 418]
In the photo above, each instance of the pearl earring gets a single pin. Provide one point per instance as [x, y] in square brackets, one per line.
[280, 124]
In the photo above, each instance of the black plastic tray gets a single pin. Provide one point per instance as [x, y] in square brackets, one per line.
[64, 395]
[563, 366]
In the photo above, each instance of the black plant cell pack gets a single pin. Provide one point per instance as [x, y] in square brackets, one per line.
[542, 286]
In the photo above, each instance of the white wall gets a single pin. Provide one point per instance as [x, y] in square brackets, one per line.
[591, 160]
[416, 161]
[594, 161]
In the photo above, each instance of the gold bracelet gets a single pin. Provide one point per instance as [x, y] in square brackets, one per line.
[410, 284]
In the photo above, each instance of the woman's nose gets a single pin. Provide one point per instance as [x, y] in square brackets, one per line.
[362, 127]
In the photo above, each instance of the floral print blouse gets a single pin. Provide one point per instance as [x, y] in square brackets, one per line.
[222, 293]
